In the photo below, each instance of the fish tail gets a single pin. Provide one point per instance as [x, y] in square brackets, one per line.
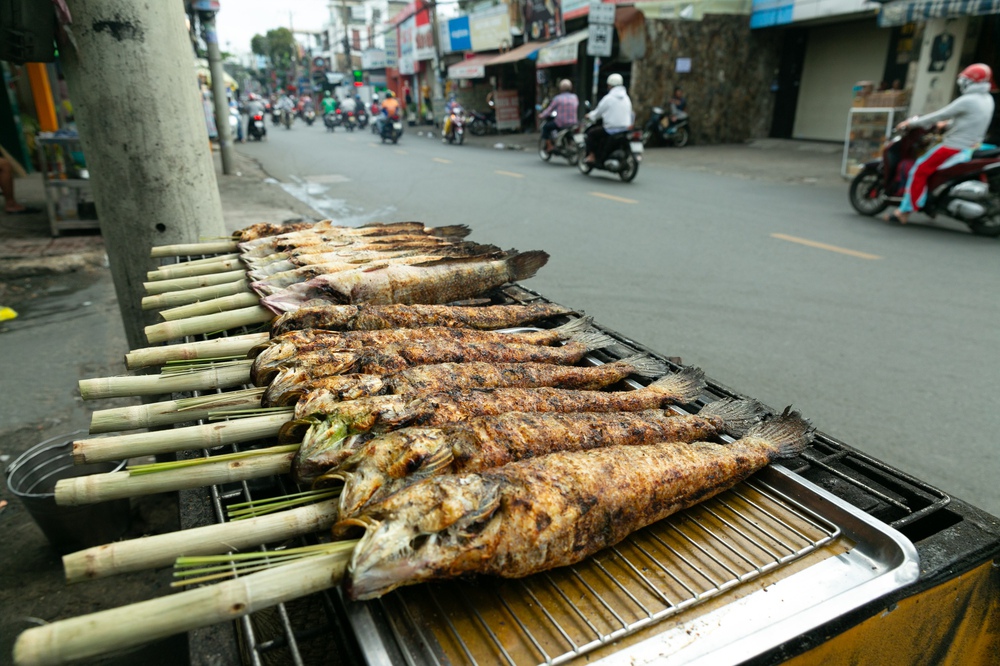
[737, 416]
[450, 231]
[645, 365]
[575, 326]
[685, 386]
[524, 265]
[788, 434]
[593, 340]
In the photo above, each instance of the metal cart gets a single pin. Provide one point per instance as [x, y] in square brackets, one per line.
[67, 186]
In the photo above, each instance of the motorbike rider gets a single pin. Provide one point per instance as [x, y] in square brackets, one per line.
[565, 105]
[285, 105]
[451, 108]
[329, 103]
[255, 107]
[970, 115]
[348, 105]
[615, 108]
[389, 110]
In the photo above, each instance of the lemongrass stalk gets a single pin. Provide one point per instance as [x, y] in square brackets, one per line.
[170, 412]
[135, 624]
[230, 567]
[152, 552]
[103, 449]
[256, 511]
[180, 284]
[156, 468]
[222, 321]
[93, 488]
[209, 260]
[223, 304]
[197, 365]
[192, 269]
[172, 299]
[190, 249]
[226, 376]
[237, 345]
[272, 500]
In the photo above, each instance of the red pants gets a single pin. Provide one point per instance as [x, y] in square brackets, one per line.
[916, 186]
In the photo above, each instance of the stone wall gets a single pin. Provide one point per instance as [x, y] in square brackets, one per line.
[728, 87]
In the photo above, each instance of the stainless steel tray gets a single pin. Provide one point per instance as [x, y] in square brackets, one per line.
[759, 606]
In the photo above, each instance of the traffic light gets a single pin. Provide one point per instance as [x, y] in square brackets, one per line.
[359, 78]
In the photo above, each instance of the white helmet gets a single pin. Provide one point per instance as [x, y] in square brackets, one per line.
[615, 80]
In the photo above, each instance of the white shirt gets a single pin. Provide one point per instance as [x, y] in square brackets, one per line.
[616, 110]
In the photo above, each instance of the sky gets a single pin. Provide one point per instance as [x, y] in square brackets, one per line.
[238, 21]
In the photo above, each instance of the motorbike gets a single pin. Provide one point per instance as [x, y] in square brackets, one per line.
[362, 118]
[332, 120]
[564, 145]
[661, 127]
[968, 191]
[350, 121]
[454, 130]
[286, 118]
[620, 154]
[392, 129]
[275, 115]
[309, 115]
[256, 129]
[484, 123]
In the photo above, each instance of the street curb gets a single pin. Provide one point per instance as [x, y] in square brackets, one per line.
[55, 265]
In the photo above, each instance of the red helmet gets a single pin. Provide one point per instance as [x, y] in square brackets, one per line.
[976, 73]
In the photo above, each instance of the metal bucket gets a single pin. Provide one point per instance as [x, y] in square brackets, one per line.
[32, 477]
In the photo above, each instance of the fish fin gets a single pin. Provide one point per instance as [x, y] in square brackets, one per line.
[437, 462]
[450, 231]
[471, 259]
[593, 340]
[373, 266]
[737, 416]
[292, 431]
[685, 386]
[788, 434]
[575, 326]
[645, 365]
[284, 389]
[257, 350]
[524, 265]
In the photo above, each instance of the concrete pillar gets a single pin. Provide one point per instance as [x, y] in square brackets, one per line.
[133, 86]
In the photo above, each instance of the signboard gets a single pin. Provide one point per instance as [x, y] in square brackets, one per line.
[508, 109]
[543, 19]
[601, 38]
[601, 13]
[470, 69]
[373, 59]
[459, 34]
[490, 30]
[407, 46]
[424, 37]
[391, 49]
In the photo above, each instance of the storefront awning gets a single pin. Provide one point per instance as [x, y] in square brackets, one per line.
[471, 68]
[563, 51]
[901, 12]
[520, 53]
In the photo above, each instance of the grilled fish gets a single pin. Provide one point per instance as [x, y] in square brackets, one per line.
[433, 283]
[398, 356]
[265, 229]
[550, 511]
[370, 317]
[327, 231]
[332, 438]
[396, 459]
[285, 390]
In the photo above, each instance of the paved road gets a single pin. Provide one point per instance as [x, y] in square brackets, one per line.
[885, 337]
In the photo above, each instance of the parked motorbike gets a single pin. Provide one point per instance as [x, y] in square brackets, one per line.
[454, 129]
[256, 129]
[234, 123]
[968, 192]
[620, 154]
[362, 118]
[392, 129]
[350, 121]
[309, 115]
[563, 144]
[660, 127]
[483, 123]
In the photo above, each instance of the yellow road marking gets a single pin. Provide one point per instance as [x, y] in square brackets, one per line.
[441, 160]
[824, 246]
[613, 197]
[509, 173]
[401, 152]
[372, 144]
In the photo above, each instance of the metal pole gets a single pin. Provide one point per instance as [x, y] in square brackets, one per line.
[151, 172]
[437, 92]
[218, 91]
[596, 75]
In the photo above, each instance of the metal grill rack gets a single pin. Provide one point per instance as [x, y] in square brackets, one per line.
[671, 566]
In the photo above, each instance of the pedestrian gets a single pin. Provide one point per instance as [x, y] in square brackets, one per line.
[10, 205]
[425, 95]
[615, 110]
[407, 94]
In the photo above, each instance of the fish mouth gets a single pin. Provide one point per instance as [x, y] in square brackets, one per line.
[441, 527]
[325, 445]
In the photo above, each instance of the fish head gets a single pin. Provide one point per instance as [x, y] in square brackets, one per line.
[410, 454]
[440, 527]
[268, 361]
[322, 448]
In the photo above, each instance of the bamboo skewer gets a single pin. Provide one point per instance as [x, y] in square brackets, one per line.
[120, 447]
[236, 345]
[193, 269]
[189, 249]
[223, 304]
[222, 321]
[135, 624]
[236, 373]
[179, 284]
[94, 488]
[185, 296]
[170, 412]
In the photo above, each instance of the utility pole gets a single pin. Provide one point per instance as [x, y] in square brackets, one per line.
[348, 65]
[211, 38]
[131, 78]
[436, 91]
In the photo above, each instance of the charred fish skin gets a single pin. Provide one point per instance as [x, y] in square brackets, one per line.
[393, 460]
[550, 511]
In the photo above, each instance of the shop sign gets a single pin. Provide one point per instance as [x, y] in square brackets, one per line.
[459, 34]
[490, 30]
[543, 18]
[373, 59]
[407, 47]
[508, 109]
[391, 49]
[424, 37]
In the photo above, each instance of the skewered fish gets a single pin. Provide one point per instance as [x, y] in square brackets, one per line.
[331, 439]
[550, 511]
[396, 459]
[326, 231]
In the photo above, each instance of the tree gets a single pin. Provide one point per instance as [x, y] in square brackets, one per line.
[280, 49]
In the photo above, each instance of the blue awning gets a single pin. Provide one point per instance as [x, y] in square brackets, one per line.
[908, 11]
